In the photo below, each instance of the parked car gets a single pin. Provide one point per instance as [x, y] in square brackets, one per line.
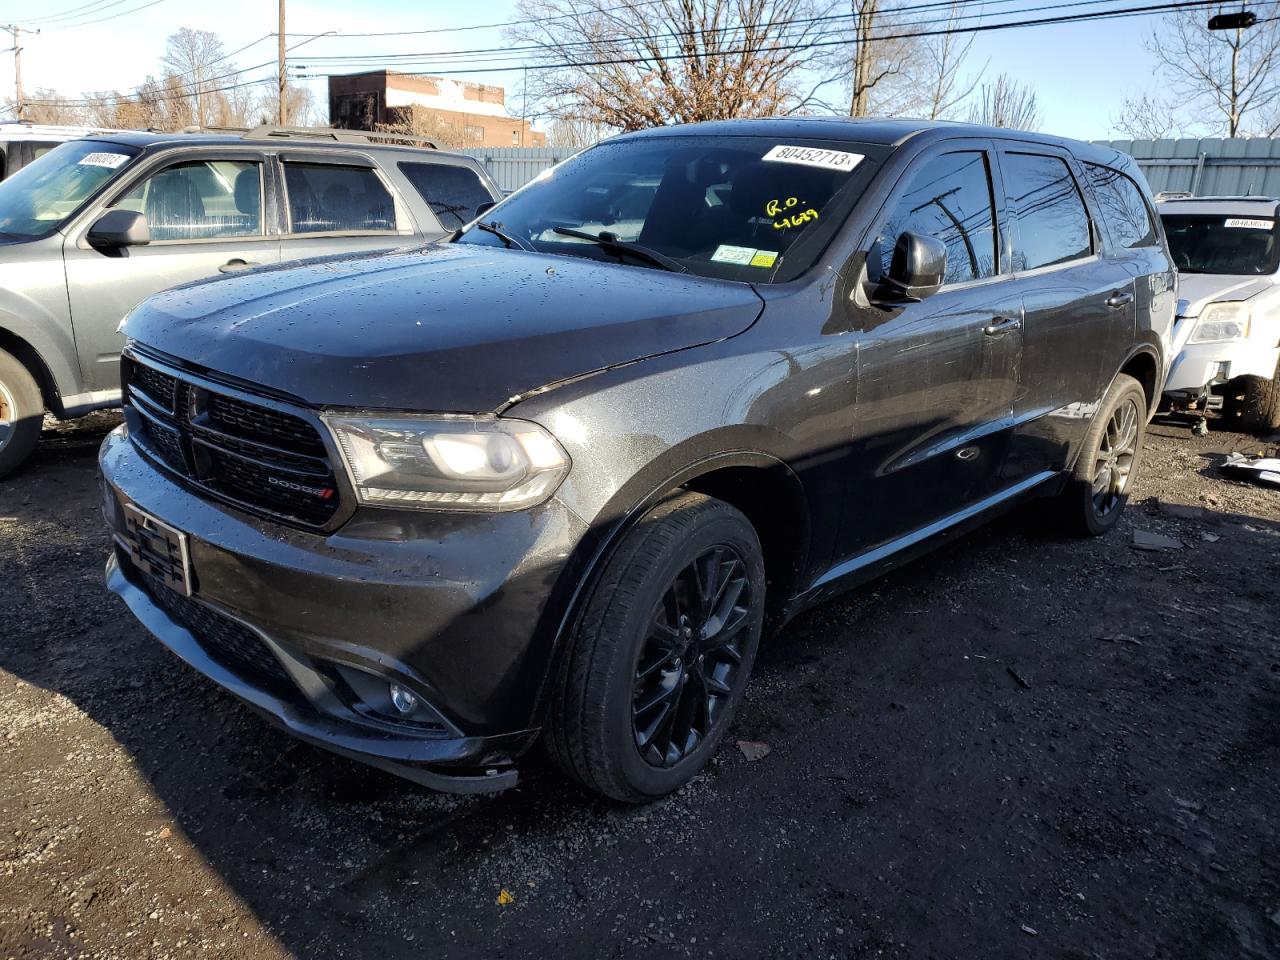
[98, 224]
[21, 143]
[553, 478]
[1227, 250]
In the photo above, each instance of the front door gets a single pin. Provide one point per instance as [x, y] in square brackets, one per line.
[936, 379]
[206, 218]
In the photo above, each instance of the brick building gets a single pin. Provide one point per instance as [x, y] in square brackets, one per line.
[468, 114]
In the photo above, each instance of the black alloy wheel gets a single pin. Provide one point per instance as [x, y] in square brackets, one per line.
[688, 667]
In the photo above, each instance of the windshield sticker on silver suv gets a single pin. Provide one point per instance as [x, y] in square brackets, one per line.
[108, 160]
[1250, 223]
[814, 157]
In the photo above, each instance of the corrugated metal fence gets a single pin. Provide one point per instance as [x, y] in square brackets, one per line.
[513, 167]
[1201, 167]
[1208, 168]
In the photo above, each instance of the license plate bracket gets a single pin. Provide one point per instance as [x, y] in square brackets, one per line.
[158, 549]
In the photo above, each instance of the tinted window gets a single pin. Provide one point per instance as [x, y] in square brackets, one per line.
[325, 198]
[1215, 243]
[200, 200]
[948, 198]
[739, 208]
[1122, 206]
[452, 193]
[1053, 226]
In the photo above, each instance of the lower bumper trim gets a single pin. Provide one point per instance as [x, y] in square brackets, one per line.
[406, 757]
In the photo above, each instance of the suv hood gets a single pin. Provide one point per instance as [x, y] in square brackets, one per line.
[442, 328]
[1201, 289]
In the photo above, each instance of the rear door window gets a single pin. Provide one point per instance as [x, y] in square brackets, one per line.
[333, 198]
[948, 198]
[1122, 206]
[1053, 224]
[452, 192]
[200, 200]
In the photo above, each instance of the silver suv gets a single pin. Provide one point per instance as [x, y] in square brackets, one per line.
[97, 225]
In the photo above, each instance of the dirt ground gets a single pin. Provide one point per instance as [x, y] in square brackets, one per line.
[1018, 746]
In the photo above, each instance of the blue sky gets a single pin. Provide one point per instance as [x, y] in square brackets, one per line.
[1080, 72]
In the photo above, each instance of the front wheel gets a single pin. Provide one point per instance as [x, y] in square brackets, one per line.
[21, 413]
[1252, 404]
[1098, 488]
[648, 683]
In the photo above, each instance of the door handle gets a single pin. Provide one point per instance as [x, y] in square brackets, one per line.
[1121, 298]
[1002, 325]
[231, 266]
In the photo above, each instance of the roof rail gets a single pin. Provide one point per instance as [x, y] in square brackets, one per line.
[270, 131]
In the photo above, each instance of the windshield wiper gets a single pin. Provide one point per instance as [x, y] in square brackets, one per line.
[508, 241]
[611, 243]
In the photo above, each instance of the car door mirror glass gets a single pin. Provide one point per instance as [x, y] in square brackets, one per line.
[916, 270]
[120, 228]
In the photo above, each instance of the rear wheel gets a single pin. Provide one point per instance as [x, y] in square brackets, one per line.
[21, 413]
[1252, 404]
[1098, 488]
[648, 684]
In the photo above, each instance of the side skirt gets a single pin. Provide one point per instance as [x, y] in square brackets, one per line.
[879, 560]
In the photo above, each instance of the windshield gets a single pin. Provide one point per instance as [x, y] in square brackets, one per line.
[1214, 243]
[737, 208]
[39, 198]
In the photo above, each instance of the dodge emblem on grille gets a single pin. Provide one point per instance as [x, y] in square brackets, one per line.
[324, 493]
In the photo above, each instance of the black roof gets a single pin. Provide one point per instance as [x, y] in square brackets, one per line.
[871, 130]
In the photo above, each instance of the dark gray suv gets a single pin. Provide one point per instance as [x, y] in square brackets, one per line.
[552, 479]
[97, 225]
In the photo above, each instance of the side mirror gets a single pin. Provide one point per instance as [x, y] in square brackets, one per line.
[119, 228]
[485, 207]
[919, 263]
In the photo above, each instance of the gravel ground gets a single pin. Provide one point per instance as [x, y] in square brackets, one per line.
[1017, 746]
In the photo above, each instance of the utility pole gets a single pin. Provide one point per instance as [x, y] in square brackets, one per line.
[283, 115]
[20, 102]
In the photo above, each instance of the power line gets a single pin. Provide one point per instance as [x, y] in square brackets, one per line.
[773, 48]
[114, 16]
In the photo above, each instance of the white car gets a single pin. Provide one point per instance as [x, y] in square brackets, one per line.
[1227, 250]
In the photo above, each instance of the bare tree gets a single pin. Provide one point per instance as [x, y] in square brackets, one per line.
[1147, 118]
[195, 59]
[45, 105]
[416, 121]
[940, 59]
[670, 61]
[1231, 75]
[300, 106]
[576, 134]
[1006, 103]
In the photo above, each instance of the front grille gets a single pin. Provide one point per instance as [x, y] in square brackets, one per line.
[227, 641]
[265, 460]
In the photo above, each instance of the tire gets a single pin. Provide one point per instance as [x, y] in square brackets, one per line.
[1252, 404]
[1098, 487]
[633, 669]
[21, 413]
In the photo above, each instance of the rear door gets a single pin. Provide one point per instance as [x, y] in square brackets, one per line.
[1078, 303]
[936, 379]
[208, 213]
[339, 203]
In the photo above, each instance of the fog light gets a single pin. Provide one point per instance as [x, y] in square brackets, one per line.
[402, 699]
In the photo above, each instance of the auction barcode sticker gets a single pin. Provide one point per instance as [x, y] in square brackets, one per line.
[1250, 223]
[109, 160]
[814, 157]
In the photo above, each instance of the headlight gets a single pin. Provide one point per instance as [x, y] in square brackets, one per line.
[1222, 321]
[449, 463]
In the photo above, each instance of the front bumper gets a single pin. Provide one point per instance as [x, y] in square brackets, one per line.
[451, 608]
[1202, 365]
